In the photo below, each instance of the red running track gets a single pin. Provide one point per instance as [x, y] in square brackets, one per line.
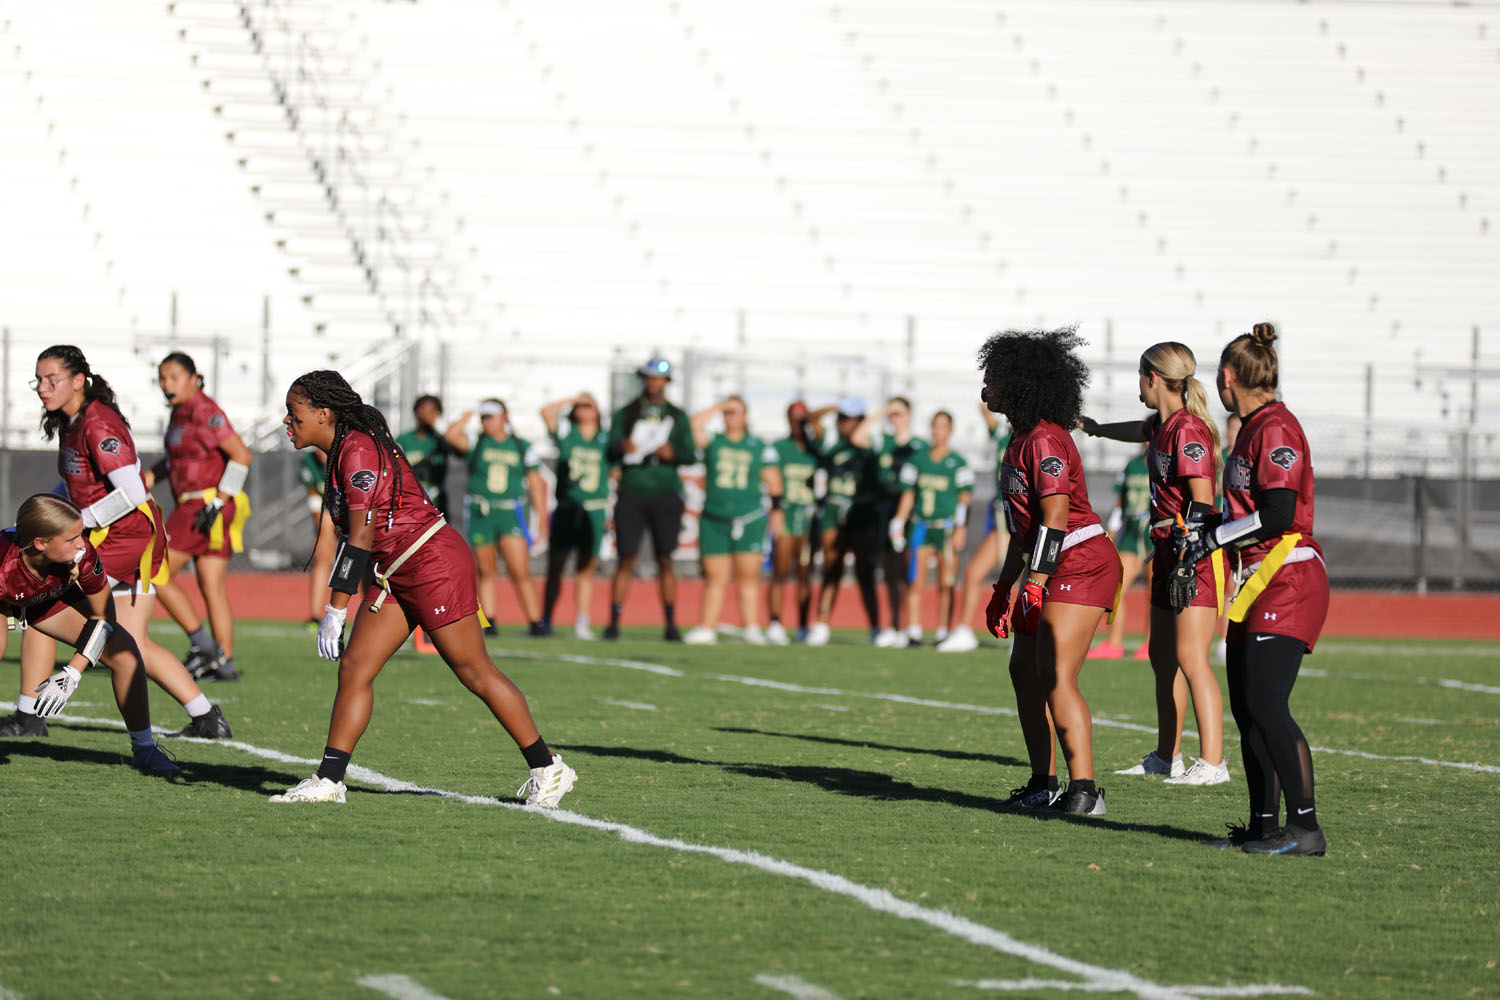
[1362, 613]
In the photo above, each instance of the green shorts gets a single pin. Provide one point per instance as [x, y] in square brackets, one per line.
[716, 537]
[492, 520]
[1136, 537]
[935, 534]
[835, 513]
[798, 519]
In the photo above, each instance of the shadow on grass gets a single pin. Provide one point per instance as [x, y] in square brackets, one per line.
[246, 778]
[884, 788]
[867, 745]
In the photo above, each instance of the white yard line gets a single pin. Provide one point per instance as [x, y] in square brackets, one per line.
[639, 706]
[879, 900]
[1068, 986]
[794, 987]
[398, 987]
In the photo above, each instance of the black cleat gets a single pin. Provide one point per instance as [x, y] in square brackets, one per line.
[208, 726]
[224, 671]
[1290, 839]
[1027, 797]
[612, 631]
[538, 630]
[198, 662]
[1239, 836]
[1078, 802]
[491, 632]
[671, 634]
[23, 724]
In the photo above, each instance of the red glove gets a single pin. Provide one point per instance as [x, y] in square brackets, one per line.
[1029, 608]
[997, 612]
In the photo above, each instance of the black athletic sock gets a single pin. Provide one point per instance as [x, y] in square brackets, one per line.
[1083, 785]
[333, 765]
[1041, 781]
[614, 614]
[669, 611]
[537, 755]
[775, 620]
[804, 607]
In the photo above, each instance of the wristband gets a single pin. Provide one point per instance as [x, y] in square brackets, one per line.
[1047, 550]
[961, 515]
[233, 479]
[349, 566]
[776, 502]
[92, 639]
[115, 505]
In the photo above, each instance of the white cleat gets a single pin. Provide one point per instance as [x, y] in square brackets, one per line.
[698, 635]
[1152, 763]
[313, 789]
[818, 634]
[547, 785]
[776, 634]
[960, 640]
[582, 631]
[1202, 773]
[889, 638]
[753, 635]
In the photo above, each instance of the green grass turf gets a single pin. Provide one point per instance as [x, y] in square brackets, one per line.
[122, 885]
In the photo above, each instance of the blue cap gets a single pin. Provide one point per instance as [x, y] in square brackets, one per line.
[656, 368]
[851, 406]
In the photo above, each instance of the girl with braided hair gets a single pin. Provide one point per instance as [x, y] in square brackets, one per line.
[395, 545]
[1072, 570]
[101, 475]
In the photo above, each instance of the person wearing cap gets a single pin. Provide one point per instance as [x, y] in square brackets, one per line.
[427, 451]
[649, 438]
[851, 520]
[897, 450]
[582, 509]
[504, 471]
[792, 546]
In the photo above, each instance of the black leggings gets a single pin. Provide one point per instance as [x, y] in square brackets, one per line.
[1261, 670]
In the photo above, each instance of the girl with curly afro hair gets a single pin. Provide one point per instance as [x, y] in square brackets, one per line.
[1072, 572]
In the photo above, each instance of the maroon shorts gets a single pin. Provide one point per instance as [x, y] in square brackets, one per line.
[1162, 564]
[1087, 574]
[437, 585]
[128, 539]
[72, 596]
[1294, 604]
[183, 537]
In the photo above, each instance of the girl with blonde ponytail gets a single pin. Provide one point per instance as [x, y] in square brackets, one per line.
[1183, 460]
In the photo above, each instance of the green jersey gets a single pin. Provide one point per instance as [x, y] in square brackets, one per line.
[797, 466]
[582, 472]
[427, 454]
[1000, 434]
[311, 472]
[937, 483]
[497, 469]
[1133, 485]
[732, 483]
[650, 425]
[893, 458]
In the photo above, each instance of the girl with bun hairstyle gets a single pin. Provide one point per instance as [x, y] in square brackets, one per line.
[1182, 460]
[1282, 601]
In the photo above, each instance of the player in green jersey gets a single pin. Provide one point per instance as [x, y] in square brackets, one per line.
[311, 473]
[742, 491]
[896, 448]
[937, 485]
[427, 452]
[851, 521]
[989, 554]
[1130, 522]
[792, 547]
[503, 472]
[582, 509]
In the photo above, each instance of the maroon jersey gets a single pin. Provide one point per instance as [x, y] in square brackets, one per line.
[364, 480]
[1182, 448]
[25, 595]
[1039, 463]
[194, 461]
[1271, 453]
[95, 444]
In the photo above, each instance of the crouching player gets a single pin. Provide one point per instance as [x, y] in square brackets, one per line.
[54, 582]
[393, 535]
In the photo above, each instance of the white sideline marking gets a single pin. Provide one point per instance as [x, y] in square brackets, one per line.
[640, 705]
[433, 702]
[792, 986]
[8, 994]
[1461, 686]
[834, 708]
[1034, 985]
[1424, 722]
[401, 987]
[879, 900]
[650, 668]
[1388, 649]
[1486, 768]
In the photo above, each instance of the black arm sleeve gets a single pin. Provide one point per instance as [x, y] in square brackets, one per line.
[1276, 510]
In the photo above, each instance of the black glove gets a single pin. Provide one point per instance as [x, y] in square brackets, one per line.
[204, 520]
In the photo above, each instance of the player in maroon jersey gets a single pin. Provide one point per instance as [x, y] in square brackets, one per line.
[1072, 569]
[1182, 461]
[102, 476]
[53, 582]
[206, 464]
[1282, 600]
[413, 570]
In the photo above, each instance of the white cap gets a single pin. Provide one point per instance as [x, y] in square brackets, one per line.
[490, 408]
[851, 406]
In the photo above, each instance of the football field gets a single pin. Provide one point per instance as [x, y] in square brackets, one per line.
[748, 822]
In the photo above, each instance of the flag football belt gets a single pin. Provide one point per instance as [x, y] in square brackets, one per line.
[384, 578]
[236, 527]
[144, 578]
[1083, 534]
[1257, 576]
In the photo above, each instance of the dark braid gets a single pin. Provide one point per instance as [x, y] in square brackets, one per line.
[95, 389]
[327, 389]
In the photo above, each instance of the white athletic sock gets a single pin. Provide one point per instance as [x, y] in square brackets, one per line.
[581, 621]
[141, 738]
[199, 706]
[914, 632]
[26, 704]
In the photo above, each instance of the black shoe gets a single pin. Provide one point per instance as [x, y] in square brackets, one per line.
[199, 661]
[223, 672]
[208, 726]
[23, 724]
[612, 631]
[1027, 797]
[1290, 839]
[1078, 802]
[671, 634]
[1239, 836]
[491, 632]
[539, 630]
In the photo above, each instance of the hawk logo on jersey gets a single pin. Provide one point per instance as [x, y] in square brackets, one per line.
[111, 445]
[1052, 466]
[216, 421]
[363, 480]
[1194, 451]
[1284, 457]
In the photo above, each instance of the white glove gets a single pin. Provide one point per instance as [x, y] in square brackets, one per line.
[53, 693]
[331, 633]
[539, 547]
[898, 534]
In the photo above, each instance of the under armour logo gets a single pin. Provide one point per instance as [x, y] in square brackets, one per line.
[1064, 586]
[440, 609]
[1269, 616]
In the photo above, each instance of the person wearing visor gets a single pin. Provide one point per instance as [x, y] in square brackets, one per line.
[582, 510]
[649, 438]
[851, 519]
